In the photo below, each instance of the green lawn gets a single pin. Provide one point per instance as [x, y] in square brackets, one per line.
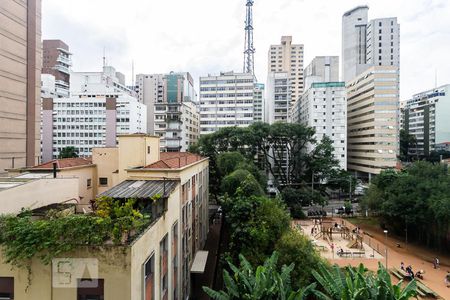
[372, 222]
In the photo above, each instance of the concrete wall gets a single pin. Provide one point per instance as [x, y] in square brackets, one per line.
[107, 162]
[38, 193]
[83, 174]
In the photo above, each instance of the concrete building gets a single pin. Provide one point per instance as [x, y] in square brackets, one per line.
[278, 97]
[372, 120]
[226, 100]
[323, 105]
[48, 86]
[288, 57]
[57, 61]
[155, 262]
[367, 43]
[171, 102]
[20, 85]
[259, 103]
[106, 81]
[426, 116]
[89, 120]
[445, 146]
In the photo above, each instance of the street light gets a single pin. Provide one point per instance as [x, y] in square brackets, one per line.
[385, 244]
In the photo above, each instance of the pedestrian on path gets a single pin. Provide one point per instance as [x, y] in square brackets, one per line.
[436, 263]
[447, 279]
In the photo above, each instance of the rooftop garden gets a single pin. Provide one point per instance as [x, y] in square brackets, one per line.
[48, 233]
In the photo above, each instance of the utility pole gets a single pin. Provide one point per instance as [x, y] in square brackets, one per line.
[249, 50]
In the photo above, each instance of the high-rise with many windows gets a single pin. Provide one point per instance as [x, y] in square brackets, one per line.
[57, 61]
[367, 43]
[278, 97]
[226, 100]
[288, 57]
[426, 116]
[172, 110]
[372, 120]
[20, 72]
[259, 102]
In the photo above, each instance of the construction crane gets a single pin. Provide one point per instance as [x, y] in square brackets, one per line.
[249, 50]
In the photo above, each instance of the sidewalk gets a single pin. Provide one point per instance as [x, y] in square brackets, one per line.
[207, 278]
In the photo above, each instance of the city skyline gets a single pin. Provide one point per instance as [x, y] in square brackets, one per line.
[214, 42]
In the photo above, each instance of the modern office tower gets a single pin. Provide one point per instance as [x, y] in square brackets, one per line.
[167, 115]
[277, 97]
[106, 81]
[383, 42]
[259, 102]
[323, 105]
[288, 57]
[368, 43]
[57, 61]
[372, 120]
[20, 85]
[98, 110]
[426, 116]
[354, 35]
[226, 100]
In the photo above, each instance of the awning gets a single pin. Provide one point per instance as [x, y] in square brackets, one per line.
[199, 264]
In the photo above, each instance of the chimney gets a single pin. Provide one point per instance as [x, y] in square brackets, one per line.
[54, 169]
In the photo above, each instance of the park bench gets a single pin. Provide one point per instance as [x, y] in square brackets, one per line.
[396, 273]
[345, 253]
[321, 247]
[404, 274]
[422, 287]
[359, 254]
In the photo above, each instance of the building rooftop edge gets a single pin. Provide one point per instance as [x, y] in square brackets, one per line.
[349, 12]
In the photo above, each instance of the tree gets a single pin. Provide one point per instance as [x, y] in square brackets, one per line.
[407, 141]
[359, 284]
[321, 163]
[68, 152]
[268, 281]
[231, 182]
[296, 248]
[227, 162]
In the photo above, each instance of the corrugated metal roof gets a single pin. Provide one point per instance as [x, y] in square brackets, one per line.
[141, 189]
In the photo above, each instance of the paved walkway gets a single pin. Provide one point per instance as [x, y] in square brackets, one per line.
[207, 278]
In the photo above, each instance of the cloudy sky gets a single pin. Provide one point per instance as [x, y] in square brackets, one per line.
[207, 36]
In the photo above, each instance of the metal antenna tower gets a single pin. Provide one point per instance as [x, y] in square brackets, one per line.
[249, 52]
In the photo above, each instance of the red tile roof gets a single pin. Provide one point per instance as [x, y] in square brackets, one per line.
[65, 163]
[174, 160]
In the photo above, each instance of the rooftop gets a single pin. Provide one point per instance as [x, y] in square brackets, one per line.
[175, 160]
[141, 189]
[65, 163]
[11, 182]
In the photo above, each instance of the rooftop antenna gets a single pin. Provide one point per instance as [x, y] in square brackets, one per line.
[249, 51]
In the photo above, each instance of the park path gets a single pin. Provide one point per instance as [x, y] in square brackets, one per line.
[418, 257]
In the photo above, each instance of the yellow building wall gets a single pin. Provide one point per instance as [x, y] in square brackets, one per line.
[107, 162]
[83, 174]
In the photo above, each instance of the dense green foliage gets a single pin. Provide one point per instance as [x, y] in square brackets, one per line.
[25, 236]
[267, 281]
[359, 284]
[270, 281]
[268, 146]
[417, 199]
[296, 248]
[236, 179]
[68, 152]
[406, 141]
[256, 223]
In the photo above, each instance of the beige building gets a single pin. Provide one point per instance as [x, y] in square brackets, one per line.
[152, 264]
[288, 57]
[372, 120]
[20, 86]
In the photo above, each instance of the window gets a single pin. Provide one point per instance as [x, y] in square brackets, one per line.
[148, 149]
[89, 183]
[90, 289]
[149, 279]
[163, 265]
[7, 288]
[103, 181]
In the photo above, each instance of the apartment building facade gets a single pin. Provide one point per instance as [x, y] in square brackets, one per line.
[372, 120]
[56, 61]
[368, 43]
[288, 57]
[426, 117]
[154, 264]
[20, 53]
[259, 102]
[226, 100]
[171, 108]
[278, 97]
[87, 121]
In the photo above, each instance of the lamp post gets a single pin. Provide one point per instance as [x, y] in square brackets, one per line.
[385, 244]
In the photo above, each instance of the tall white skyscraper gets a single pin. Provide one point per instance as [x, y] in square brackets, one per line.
[288, 57]
[226, 100]
[278, 97]
[368, 43]
[323, 105]
[259, 102]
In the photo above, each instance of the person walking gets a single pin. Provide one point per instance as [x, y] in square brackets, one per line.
[402, 266]
[436, 263]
